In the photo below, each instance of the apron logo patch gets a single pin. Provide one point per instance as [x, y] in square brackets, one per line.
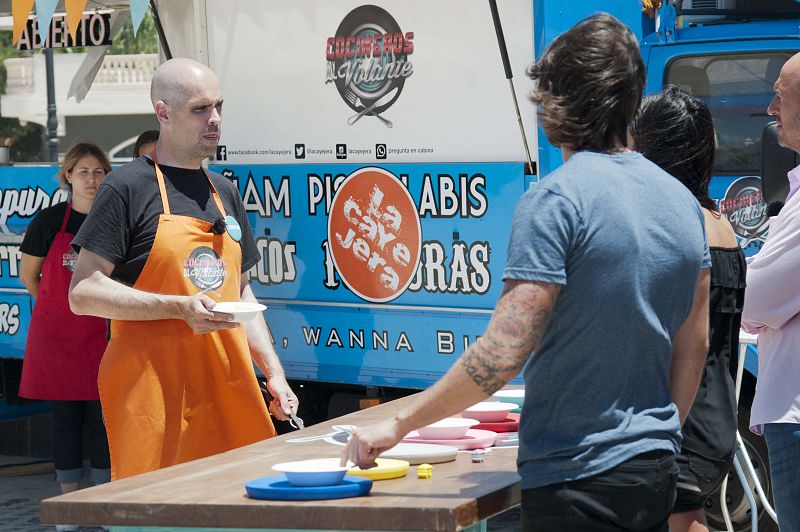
[205, 268]
[69, 259]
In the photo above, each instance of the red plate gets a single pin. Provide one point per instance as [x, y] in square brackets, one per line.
[509, 424]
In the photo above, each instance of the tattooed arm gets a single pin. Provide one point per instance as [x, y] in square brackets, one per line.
[486, 366]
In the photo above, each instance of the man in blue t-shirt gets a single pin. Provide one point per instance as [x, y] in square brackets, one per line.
[607, 281]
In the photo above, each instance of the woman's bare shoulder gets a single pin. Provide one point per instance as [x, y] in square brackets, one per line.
[718, 230]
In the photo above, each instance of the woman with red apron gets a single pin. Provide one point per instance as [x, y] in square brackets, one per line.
[63, 351]
[169, 395]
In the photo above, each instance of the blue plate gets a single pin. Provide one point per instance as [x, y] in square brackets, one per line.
[279, 489]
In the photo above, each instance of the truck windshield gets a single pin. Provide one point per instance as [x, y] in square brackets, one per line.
[738, 89]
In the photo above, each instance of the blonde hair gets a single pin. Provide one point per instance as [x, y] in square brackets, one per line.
[76, 153]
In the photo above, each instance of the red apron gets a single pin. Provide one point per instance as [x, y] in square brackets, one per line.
[169, 395]
[63, 351]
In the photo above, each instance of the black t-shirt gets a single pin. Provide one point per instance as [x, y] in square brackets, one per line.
[44, 227]
[122, 225]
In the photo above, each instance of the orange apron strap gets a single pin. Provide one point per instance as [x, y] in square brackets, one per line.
[161, 188]
[216, 196]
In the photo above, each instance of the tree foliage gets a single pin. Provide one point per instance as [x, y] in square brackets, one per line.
[145, 42]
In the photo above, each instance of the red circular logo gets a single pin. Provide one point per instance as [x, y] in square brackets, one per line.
[374, 234]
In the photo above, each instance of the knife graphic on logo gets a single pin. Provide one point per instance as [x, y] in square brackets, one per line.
[383, 100]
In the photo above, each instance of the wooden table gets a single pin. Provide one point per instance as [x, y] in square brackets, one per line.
[209, 493]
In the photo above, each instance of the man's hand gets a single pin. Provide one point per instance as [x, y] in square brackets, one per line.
[367, 443]
[284, 400]
[517, 324]
[196, 311]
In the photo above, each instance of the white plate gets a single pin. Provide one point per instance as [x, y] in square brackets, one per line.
[413, 453]
[449, 428]
[319, 472]
[241, 311]
[489, 412]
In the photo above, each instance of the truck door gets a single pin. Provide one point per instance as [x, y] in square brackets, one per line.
[737, 87]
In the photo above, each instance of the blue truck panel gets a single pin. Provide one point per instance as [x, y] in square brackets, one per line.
[323, 330]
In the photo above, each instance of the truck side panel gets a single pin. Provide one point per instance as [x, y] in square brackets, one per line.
[324, 322]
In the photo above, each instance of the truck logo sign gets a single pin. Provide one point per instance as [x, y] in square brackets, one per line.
[367, 60]
[743, 205]
[374, 234]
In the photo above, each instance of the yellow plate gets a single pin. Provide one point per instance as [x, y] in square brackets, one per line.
[387, 468]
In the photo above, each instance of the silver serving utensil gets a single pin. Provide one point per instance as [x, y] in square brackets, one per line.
[337, 429]
[296, 422]
[347, 429]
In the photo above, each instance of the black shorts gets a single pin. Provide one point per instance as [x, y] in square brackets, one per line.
[637, 495]
[699, 477]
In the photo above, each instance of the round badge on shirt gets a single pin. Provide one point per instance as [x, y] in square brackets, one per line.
[233, 228]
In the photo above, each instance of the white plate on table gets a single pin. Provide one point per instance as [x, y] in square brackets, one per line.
[413, 453]
[489, 411]
[319, 472]
[449, 428]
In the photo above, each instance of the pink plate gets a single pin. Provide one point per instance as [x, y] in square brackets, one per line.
[474, 439]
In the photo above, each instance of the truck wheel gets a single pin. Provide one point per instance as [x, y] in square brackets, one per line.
[738, 506]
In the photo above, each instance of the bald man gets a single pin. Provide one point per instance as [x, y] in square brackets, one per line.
[164, 242]
[771, 309]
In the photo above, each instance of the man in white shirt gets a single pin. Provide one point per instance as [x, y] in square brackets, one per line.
[772, 309]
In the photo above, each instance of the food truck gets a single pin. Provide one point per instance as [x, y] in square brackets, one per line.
[380, 150]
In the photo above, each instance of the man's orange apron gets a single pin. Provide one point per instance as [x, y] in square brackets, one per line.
[169, 395]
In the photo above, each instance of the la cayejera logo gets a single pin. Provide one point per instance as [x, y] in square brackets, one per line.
[374, 234]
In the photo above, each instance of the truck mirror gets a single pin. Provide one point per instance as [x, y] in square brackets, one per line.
[775, 164]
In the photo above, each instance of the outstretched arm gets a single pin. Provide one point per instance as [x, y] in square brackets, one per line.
[514, 331]
[93, 292]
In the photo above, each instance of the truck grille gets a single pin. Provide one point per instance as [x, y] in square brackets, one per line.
[700, 4]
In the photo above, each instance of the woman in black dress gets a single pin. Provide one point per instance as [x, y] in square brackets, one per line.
[675, 130]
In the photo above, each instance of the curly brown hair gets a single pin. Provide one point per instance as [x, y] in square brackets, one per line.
[589, 84]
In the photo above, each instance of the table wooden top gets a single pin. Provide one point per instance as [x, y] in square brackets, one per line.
[210, 492]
